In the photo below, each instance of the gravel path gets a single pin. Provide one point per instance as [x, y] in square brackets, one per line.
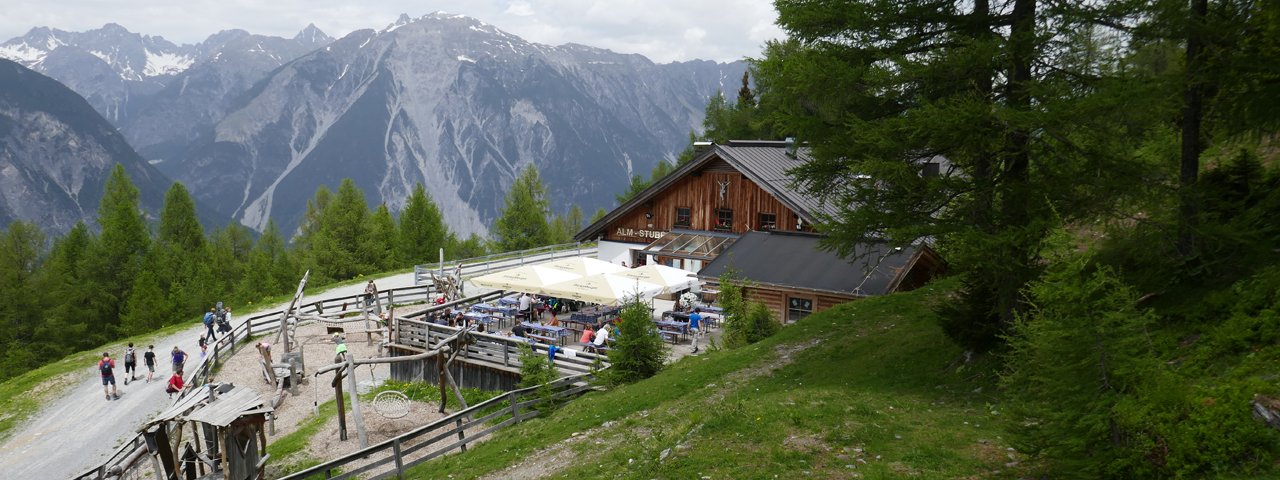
[79, 430]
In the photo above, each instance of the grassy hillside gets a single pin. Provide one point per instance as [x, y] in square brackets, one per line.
[868, 389]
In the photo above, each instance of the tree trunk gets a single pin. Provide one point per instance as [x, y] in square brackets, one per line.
[1192, 111]
[1015, 202]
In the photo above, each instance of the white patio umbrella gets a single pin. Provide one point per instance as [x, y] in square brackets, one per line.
[671, 279]
[527, 278]
[604, 289]
[584, 266]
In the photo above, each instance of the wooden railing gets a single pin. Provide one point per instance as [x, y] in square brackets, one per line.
[498, 261]
[268, 322]
[392, 457]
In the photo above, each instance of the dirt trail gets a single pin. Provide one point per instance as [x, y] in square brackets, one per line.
[80, 429]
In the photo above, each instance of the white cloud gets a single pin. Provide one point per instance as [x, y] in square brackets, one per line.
[519, 9]
[663, 30]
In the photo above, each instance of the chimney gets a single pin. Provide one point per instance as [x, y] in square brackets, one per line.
[791, 147]
[701, 146]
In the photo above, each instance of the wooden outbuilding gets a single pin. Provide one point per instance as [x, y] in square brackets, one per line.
[793, 276]
[214, 433]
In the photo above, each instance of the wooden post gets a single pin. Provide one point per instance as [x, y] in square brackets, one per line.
[222, 449]
[165, 449]
[262, 451]
[444, 393]
[342, 409]
[355, 401]
[462, 402]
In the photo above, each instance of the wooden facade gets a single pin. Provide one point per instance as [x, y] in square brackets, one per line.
[777, 300]
[700, 192]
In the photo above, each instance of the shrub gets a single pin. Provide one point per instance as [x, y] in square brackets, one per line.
[638, 352]
[744, 322]
[536, 370]
[1074, 362]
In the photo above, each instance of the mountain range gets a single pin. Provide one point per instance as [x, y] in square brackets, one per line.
[56, 153]
[253, 125]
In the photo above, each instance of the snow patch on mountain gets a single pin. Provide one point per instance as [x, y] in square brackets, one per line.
[23, 53]
[165, 63]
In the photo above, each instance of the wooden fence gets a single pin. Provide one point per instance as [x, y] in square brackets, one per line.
[134, 449]
[392, 457]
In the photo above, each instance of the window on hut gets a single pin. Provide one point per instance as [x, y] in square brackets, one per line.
[724, 219]
[798, 308]
[767, 221]
[684, 217]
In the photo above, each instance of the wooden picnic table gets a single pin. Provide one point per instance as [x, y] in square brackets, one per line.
[557, 333]
[498, 309]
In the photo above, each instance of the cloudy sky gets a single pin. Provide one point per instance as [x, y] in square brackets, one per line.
[663, 30]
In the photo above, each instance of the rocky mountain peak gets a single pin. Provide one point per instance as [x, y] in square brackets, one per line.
[312, 34]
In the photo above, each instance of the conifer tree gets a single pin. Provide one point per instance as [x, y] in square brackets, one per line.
[121, 247]
[876, 88]
[338, 245]
[72, 297]
[21, 254]
[179, 223]
[380, 245]
[523, 223]
[639, 351]
[422, 230]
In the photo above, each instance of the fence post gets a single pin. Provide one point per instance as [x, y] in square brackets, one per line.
[515, 407]
[395, 449]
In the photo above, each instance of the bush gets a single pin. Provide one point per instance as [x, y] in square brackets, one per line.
[744, 322]
[536, 370]
[1075, 361]
[638, 352]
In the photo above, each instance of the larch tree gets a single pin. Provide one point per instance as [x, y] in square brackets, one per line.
[338, 245]
[380, 251]
[121, 247]
[523, 223]
[878, 88]
[422, 230]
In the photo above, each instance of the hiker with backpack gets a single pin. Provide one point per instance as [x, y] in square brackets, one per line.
[208, 322]
[106, 367]
[130, 363]
[224, 321]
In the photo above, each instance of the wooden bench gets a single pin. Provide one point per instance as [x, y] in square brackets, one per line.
[670, 336]
[543, 338]
[591, 347]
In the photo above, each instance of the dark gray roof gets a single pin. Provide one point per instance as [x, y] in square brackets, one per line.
[764, 162]
[795, 260]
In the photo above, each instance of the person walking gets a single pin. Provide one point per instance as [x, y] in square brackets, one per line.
[208, 322]
[178, 357]
[370, 291]
[149, 359]
[106, 367]
[226, 320]
[204, 346]
[695, 322]
[130, 363]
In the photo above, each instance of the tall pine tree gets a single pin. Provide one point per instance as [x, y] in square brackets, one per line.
[879, 87]
[523, 223]
[422, 230]
[121, 248]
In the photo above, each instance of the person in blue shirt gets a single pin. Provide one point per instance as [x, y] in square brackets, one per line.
[695, 321]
